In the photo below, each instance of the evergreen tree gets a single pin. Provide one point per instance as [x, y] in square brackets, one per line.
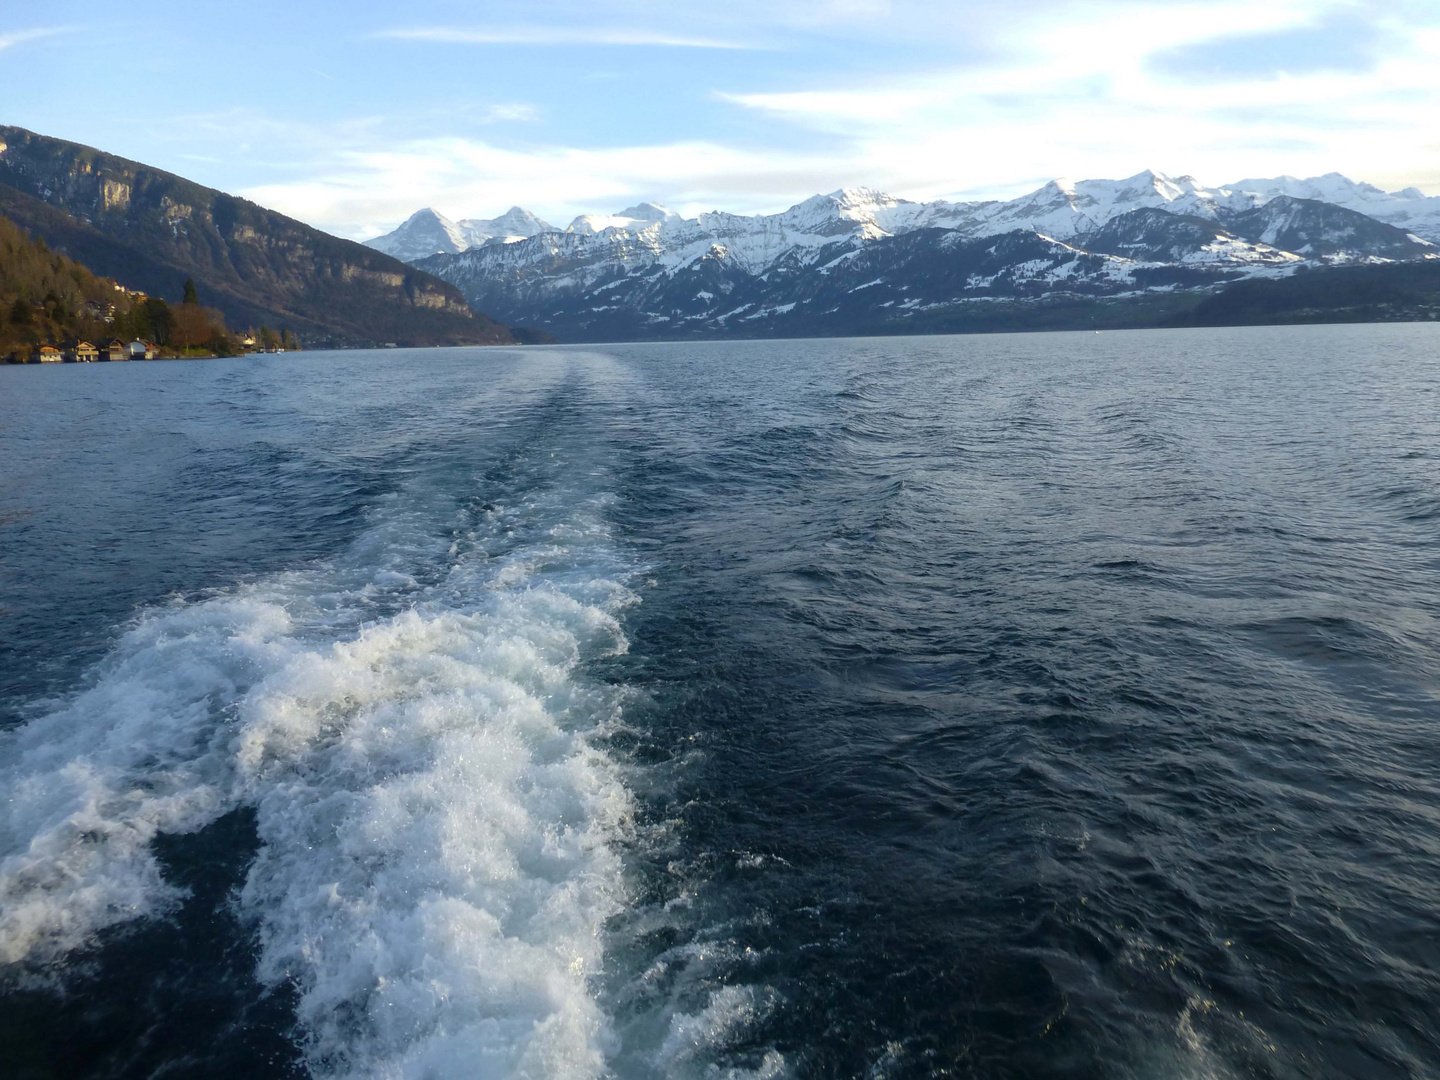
[160, 319]
[20, 313]
[191, 296]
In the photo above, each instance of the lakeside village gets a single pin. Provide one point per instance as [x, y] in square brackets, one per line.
[187, 332]
[54, 310]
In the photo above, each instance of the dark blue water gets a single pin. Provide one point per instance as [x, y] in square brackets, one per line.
[1047, 705]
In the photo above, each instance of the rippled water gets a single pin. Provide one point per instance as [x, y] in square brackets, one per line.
[1047, 705]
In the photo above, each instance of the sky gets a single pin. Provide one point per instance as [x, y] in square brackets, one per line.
[351, 116]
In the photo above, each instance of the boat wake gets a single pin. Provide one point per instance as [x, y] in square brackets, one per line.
[412, 730]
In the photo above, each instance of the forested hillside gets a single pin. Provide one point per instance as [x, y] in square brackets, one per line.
[48, 299]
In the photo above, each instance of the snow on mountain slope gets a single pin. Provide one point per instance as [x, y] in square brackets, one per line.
[1067, 209]
[616, 286]
[1326, 231]
[1409, 209]
[647, 270]
[649, 234]
[1160, 236]
[751, 242]
[1063, 209]
[594, 287]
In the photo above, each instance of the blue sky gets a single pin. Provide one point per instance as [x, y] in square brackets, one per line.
[352, 115]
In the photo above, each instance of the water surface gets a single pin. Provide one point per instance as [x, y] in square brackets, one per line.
[1041, 705]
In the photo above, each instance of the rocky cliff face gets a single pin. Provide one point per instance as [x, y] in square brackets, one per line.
[152, 230]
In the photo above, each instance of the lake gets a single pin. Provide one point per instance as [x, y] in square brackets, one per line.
[1036, 706]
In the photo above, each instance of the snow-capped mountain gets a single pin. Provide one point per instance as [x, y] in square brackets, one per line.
[1284, 231]
[1067, 209]
[633, 219]
[1410, 209]
[423, 234]
[428, 232]
[1062, 209]
[648, 271]
[1159, 236]
[1325, 230]
[515, 223]
[623, 291]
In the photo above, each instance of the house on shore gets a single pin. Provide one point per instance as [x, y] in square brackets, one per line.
[46, 354]
[114, 349]
[84, 353]
[141, 350]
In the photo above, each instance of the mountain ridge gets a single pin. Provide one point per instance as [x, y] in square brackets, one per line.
[659, 275]
[152, 229]
[1061, 208]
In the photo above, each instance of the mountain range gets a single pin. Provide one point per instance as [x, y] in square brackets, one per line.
[1146, 250]
[859, 260]
[151, 230]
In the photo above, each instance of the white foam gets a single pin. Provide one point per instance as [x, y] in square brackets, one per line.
[437, 870]
[88, 786]
[693, 1039]
[438, 831]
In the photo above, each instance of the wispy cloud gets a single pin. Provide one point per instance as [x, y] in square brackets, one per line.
[1040, 88]
[558, 35]
[1080, 92]
[510, 112]
[19, 37]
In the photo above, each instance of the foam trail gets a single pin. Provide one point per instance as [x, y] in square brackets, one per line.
[141, 751]
[437, 830]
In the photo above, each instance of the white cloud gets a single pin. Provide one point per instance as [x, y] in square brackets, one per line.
[1077, 96]
[19, 37]
[1055, 89]
[514, 112]
[557, 35]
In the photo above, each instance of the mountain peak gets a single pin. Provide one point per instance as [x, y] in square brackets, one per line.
[425, 232]
[1148, 180]
[861, 194]
[427, 216]
[517, 221]
[647, 211]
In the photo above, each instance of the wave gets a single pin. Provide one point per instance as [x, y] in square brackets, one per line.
[412, 728]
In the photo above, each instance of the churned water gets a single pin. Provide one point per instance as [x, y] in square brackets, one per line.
[1047, 705]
